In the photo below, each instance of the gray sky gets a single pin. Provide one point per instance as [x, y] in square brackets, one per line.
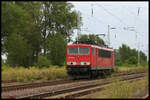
[119, 15]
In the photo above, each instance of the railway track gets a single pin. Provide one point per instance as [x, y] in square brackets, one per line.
[70, 89]
[35, 85]
[80, 93]
[48, 83]
[8, 81]
[91, 88]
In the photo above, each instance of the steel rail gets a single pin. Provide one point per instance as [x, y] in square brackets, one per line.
[35, 85]
[80, 87]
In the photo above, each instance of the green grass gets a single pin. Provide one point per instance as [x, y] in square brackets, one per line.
[22, 74]
[120, 89]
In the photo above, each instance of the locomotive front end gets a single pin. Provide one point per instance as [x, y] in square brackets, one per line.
[78, 60]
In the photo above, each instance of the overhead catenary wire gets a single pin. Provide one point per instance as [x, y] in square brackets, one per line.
[94, 17]
[97, 20]
[118, 17]
[108, 25]
[132, 13]
[100, 20]
[112, 15]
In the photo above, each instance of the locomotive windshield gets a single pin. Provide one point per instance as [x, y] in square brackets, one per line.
[78, 50]
[73, 50]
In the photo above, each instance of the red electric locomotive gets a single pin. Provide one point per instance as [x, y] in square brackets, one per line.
[88, 60]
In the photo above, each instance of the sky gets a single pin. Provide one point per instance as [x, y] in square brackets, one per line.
[118, 15]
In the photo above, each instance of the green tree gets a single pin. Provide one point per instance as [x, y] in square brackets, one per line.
[33, 35]
[57, 48]
[43, 62]
[129, 56]
[58, 17]
[142, 56]
[117, 57]
[134, 52]
[35, 24]
[14, 20]
[18, 50]
[124, 52]
[132, 60]
[22, 18]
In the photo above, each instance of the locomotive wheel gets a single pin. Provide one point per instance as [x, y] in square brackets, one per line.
[104, 74]
[94, 74]
[91, 75]
[112, 70]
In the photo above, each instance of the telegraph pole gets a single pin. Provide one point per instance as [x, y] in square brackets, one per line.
[78, 33]
[108, 35]
[139, 42]
[138, 54]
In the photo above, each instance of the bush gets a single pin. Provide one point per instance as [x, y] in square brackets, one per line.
[143, 63]
[132, 60]
[4, 66]
[43, 62]
[117, 62]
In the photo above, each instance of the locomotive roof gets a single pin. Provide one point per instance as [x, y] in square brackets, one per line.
[79, 45]
[95, 46]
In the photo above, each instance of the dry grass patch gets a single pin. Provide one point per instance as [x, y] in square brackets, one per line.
[130, 69]
[32, 73]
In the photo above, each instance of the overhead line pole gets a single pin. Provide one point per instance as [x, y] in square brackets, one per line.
[139, 42]
[108, 36]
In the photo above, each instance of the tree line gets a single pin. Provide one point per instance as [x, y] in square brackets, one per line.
[34, 31]
[127, 56]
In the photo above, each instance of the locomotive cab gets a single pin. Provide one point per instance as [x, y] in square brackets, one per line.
[78, 59]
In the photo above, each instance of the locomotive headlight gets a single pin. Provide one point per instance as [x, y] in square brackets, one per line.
[68, 63]
[71, 63]
[87, 63]
[82, 63]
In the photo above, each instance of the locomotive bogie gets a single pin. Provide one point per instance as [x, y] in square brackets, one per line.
[77, 71]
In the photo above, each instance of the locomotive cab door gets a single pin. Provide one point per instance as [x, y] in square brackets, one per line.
[95, 71]
[94, 57]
